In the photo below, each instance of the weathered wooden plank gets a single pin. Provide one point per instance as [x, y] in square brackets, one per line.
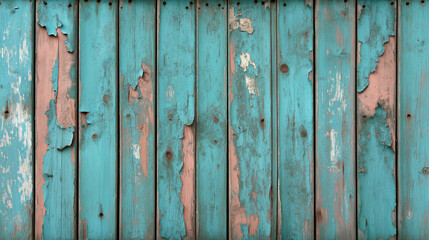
[250, 129]
[98, 142]
[176, 111]
[296, 141]
[335, 119]
[413, 120]
[16, 127]
[137, 28]
[212, 120]
[274, 124]
[376, 119]
[55, 111]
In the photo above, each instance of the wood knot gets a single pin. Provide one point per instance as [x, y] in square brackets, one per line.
[284, 68]
[169, 155]
[216, 120]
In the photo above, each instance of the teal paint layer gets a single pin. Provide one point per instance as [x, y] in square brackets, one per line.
[376, 158]
[98, 141]
[137, 29]
[54, 14]
[212, 120]
[250, 123]
[376, 24]
[376, 174]
[296, 155]
[176, 110]
[335, 120]
[413, 118]
[16, 126]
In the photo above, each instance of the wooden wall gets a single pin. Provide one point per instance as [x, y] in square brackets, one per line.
[142, 119]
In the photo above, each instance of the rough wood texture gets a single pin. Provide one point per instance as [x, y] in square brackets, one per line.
[16, 126]
[176, 112]
[296, 141]
[98, 143]
[376, 119]
[250, 132]
[335, 119]
[212, 121]
[137, 126]
[56, 76]
[413, 120]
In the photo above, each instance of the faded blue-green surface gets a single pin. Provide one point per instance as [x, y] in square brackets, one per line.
[137, 87]
[375, 157]
[250, 129]
[413, 119]
[211, 129]
[176, 110]
[296, 155]
[335, 119]
[98, 142]
[376, 162]
[53, 14]
[16, 127]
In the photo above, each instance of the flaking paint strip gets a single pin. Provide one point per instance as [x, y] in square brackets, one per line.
[244, 23]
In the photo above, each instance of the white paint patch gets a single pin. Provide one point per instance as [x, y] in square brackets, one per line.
[170, 91]
[251, 85]
[136, 151]
[245, 61]
[245, 24]
[333, 168]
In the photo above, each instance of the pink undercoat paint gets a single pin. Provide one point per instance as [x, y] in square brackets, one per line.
[382, 88]
[187, 195]
[48, 48]
[238, 215]
[143, 143]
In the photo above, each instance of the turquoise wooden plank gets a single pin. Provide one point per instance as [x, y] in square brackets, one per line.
[137, 29]
[16, 127]
[296, 142]
[250, 123]
[376, 118]
[212, 121]
[413, 120]
[335, 119]
[176, 111]
[98, 141]
[55, 110]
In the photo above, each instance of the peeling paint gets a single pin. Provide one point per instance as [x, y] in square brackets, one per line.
[245, 24]
[245, 61]
[251, 85]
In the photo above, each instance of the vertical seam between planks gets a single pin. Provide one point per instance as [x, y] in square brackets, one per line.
[227, 5]
[314, 121]
[397, 25]
[76, 202]
[156, 118]
[356, 120]
[33, 121]
[118, 135]
[195, 118]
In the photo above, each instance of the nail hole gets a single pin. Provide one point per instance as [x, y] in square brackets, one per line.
[101, 215]
[256, 1]
[392, 3]
[110, 3]
[408, 115]
[284, 4]
[363, 6]
[45, 3]
[186, 7]
[364, 116]
[345, 1]
[98, 1]
[262, 3]
[407, 3]
[164, 3]
[69, 5]
[207, 4]
[422, 1]
[191, 3]
[219, 5]
[238, 4]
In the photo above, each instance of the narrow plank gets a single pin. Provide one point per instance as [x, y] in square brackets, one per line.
[98, 141]
[137, 28]
[55, 111]
[274, 124]
[176, 111]
[16, 127]
[296, 141]
[413, 120]
[250, 123]
[335, 119]
[376, 119]
[212, 120]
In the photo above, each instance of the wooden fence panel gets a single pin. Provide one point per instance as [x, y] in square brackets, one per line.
[413, 120]
[16, 127]
[98, 140]
[137, 26]
[250, 129]
[296, 141]
[56, 135]
[176, 112]
[335, 119]
[212, 121]
[376, 119]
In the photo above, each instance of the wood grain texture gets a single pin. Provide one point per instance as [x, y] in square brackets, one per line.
[296, 141]
[335, 119]
[376, 119]
[250, 129]
[137, 28]
[16, 126]
[55, 111]
[413, 120]
[176, 113]
[98, 143]
[212, 121]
